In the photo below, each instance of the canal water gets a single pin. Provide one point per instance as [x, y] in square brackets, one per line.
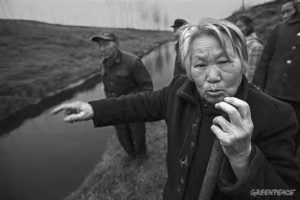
[44, 158]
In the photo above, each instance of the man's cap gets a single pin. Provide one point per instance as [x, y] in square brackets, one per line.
[104, 36]
[179, 22]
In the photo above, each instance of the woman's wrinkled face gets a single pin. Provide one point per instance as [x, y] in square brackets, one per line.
[216, 76]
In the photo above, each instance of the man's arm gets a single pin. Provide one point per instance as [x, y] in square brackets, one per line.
[142, 77]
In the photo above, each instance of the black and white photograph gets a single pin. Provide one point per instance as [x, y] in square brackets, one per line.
[149, 99]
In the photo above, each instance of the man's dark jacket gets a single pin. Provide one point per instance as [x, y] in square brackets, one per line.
[271, 166]
[125, 74]
[278, 72]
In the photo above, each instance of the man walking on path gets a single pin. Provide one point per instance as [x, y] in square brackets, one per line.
[123, 73]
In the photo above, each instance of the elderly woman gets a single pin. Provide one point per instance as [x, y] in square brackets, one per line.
[226, 140]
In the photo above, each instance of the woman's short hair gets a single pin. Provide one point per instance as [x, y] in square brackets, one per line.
[222, 30]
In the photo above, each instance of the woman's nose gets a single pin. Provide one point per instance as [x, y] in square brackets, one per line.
[213, 74]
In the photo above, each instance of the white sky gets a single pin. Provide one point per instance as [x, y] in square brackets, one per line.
[146, 14]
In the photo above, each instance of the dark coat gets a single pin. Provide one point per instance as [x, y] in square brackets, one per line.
[271, 165]
[126, 74]
[278, 73]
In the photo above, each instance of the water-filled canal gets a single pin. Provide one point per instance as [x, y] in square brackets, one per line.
[44, 158]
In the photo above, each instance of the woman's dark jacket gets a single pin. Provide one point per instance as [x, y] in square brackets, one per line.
[278, 72]
[271, 166]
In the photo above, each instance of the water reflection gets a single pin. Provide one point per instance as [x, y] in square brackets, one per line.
[45, 158]
[160, 64]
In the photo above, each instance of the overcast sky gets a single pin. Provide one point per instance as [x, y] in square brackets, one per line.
[146, 14]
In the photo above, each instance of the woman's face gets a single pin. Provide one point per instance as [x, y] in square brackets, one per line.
[216, 76]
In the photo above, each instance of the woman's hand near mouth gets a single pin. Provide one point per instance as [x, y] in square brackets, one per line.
[235, 134]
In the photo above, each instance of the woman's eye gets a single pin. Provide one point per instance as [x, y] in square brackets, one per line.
[220, 62]
[200, 65]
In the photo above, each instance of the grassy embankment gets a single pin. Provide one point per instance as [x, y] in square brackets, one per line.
[39, 59]
[118, 178]
[114, 178]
